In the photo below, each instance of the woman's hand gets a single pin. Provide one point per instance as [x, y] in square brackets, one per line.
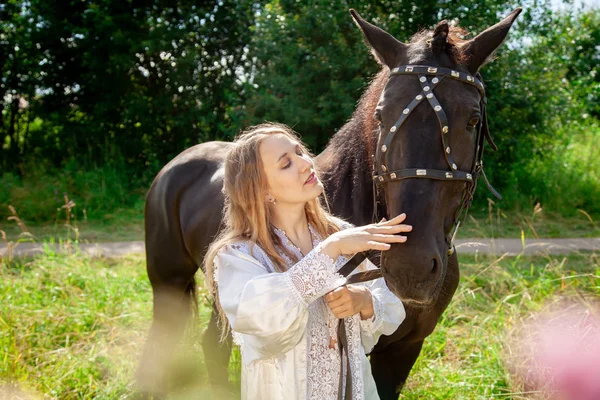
[377, 236]
[349, 300]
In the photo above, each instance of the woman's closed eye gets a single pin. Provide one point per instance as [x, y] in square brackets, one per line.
[298, 152]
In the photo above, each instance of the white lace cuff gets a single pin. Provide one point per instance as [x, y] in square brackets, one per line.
[313, 276]
[372, 325]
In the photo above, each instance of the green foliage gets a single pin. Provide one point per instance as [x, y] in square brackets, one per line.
[565, 178]
[141, 80]
[541, 119]
[71, 325]
[122, 87]
[471, 353]
[40, 193]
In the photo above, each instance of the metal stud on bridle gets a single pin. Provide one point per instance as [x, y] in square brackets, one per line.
[382, 157]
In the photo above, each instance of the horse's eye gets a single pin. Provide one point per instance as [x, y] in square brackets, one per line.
[473, 122]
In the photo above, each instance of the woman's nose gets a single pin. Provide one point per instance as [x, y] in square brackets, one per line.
[304, 163]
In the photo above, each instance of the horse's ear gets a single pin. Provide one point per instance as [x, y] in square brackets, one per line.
[386, 48]
[480, 49]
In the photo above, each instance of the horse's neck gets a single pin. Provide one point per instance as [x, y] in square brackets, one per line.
[346, 172]
[346, 163]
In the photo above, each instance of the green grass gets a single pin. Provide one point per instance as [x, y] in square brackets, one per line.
[534, 224]
[121, 225]
[45, 195]
[73, 326]
[128, 224]
[468, 354]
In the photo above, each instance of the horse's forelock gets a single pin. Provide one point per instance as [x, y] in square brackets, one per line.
[455, 39]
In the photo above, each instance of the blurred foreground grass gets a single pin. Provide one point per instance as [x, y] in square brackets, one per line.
[72, 327]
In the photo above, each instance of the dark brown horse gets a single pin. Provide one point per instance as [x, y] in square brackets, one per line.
[442, 138]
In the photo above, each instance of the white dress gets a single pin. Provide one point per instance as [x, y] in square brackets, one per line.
[283, 326]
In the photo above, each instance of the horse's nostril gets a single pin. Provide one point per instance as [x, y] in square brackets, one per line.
[434, 266]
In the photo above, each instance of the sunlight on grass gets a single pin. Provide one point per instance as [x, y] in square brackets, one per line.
[466, 357]
[73, 326]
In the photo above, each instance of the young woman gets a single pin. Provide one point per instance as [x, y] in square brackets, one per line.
[273, 271]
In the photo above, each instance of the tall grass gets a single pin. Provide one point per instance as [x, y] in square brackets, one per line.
[40, 191]
[73, 326]
[469, 354]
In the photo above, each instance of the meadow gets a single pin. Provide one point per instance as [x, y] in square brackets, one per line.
[73, 326]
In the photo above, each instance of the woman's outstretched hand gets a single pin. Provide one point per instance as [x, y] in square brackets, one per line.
[377, 236]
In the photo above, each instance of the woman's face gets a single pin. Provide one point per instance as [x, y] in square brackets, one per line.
[289, 171]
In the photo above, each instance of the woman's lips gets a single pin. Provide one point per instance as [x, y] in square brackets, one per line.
[312, 178]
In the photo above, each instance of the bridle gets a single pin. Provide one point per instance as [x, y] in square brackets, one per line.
[429, 78]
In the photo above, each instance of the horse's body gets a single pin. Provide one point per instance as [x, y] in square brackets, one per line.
[184, 207]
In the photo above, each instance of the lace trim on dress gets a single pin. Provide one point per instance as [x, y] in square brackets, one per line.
[238, 339]
[372, 325]
[323, 362]
[354, 343]
[314, 276]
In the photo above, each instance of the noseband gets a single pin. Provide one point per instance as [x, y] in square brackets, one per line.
[429, 78]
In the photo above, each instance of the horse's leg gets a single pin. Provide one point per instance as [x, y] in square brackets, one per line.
[392, 365]
[172, 309]
[216, 352]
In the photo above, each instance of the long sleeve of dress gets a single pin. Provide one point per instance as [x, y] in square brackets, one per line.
[389, 311]
[270, 309]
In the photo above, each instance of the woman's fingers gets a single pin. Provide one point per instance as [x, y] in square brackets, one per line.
[342, 311]
[378, 246]
[395, 221]
[383, 242]
[343, 314]
[337, 303]
[392, 229]
[379, 237]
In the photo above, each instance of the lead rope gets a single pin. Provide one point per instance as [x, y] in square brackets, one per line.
[343, 347]
[345, 271]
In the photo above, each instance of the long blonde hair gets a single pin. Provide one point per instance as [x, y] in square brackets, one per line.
[247, 215]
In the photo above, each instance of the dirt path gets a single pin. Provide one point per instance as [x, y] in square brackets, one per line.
[464, 246]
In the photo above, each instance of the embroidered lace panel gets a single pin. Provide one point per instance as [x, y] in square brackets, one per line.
[323, 362]
[372, 325]
[309, 281]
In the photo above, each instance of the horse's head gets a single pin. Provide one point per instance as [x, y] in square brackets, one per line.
[432, 130]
